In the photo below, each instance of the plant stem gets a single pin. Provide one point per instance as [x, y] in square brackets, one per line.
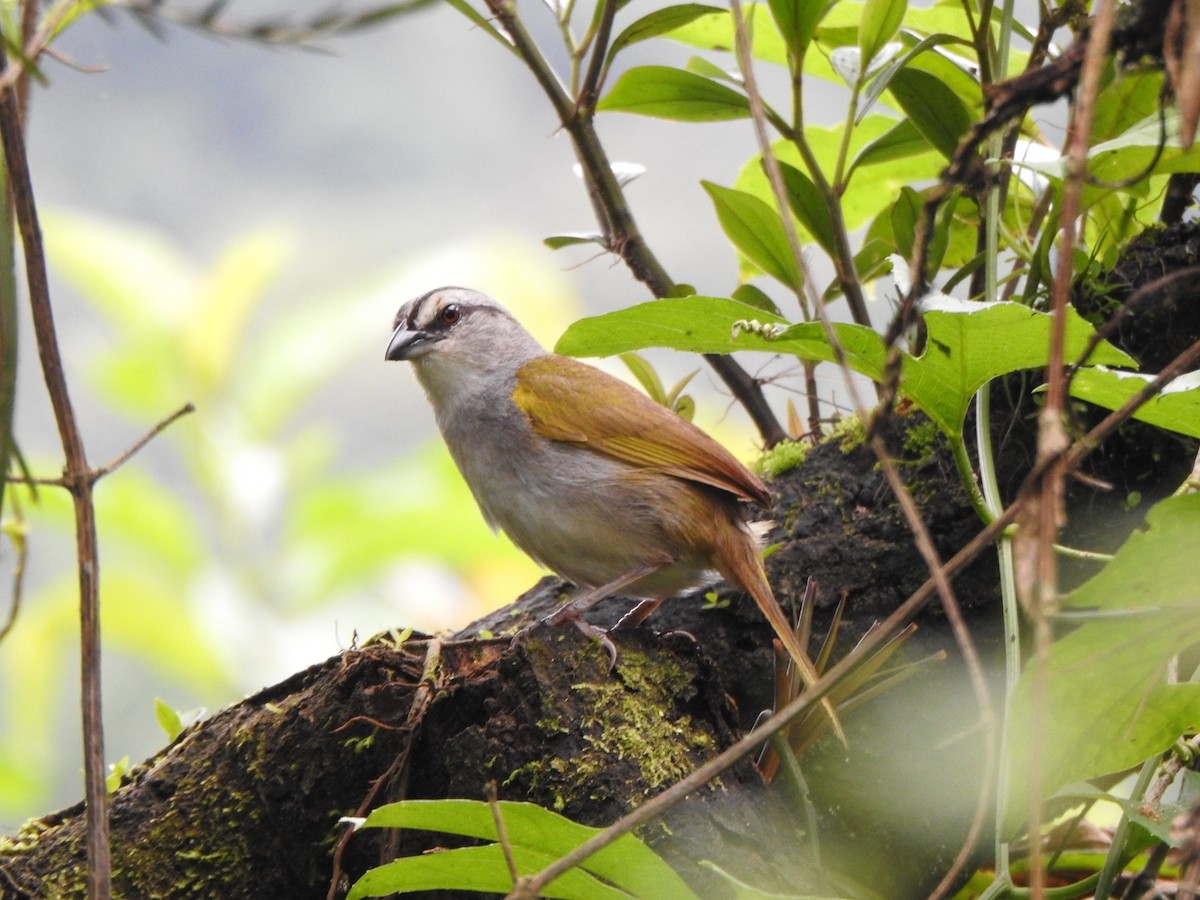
[80, 483]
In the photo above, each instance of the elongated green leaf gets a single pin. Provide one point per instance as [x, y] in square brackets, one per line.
[1177, 408]
[880, 21]
[1107, 705]
[754, 296]
[482, 869]
[903, 217]
[559, 241]
[708, 69]
[669, 93]
[905, 139]
[716, 32]
[935, 109]
[705, 325]
[809, 206]
[483, 24]
[647, 377]
[1141, 150]
[627, 864]
[797, 21]
[869, 192]
[659, 22]
[880, 82]
[757, 232]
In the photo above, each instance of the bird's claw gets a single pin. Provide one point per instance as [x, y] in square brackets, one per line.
[565, 614]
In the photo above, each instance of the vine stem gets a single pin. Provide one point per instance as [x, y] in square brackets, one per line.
[78, 479]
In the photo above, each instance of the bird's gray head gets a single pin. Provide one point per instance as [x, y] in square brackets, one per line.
[456, 335]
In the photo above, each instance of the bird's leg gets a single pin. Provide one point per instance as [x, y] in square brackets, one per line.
[573, 610]
[638, 614]
[580, 604]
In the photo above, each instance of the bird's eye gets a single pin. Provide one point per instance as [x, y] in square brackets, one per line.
[450, 314]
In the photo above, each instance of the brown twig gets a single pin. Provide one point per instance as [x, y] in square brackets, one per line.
[79, 482]
[621, 232]
[426, 691]
[119, 460]
[493, 799]
[1037, 562]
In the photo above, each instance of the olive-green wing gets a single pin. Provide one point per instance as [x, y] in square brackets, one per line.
[567, 400]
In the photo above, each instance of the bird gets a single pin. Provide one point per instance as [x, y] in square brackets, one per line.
[588, 476]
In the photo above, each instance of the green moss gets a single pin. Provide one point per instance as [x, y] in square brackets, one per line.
[659, 751]
[848, 432]
[783, 457]
[921, 441]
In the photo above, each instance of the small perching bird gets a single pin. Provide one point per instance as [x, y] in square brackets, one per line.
[591, 478]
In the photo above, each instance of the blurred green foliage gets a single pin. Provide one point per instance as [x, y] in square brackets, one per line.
[265, 538]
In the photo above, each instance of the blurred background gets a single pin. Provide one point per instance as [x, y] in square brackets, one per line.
[234, 225]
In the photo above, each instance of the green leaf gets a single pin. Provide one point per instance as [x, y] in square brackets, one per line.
[537, 838]
[716, 32]
[880, 21]
[1106, 704]
[670, 93]
[809, 206]
[880, 82]
[705, 325]
[659, 22]
[756, 297]
[967, 344]
[226, 297]
[168, 718]
[483, 23]
[702, 66]
[904, 140]
[903, 217]
[482, 869]
[1177, 408]
[934, 108]
[1124, 102]
[756, 230]
[1139, 151]
[647, 377]
[559, 241]
[866, 194]
[797, 21]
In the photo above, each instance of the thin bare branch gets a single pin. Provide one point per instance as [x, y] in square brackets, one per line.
[150, 435]
[76, 471]
[94, 475]
[1037, 562]
[493, 799]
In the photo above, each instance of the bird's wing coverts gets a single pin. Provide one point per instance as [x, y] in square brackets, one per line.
[570, 401]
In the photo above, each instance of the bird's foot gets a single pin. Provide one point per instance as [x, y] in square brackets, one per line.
[598, 634]
[566, 614]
